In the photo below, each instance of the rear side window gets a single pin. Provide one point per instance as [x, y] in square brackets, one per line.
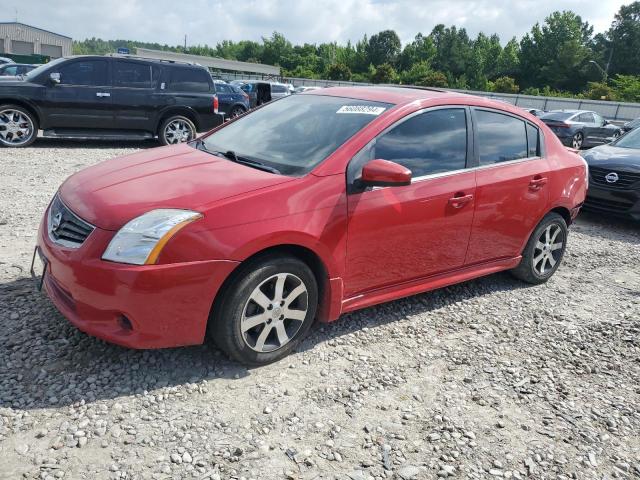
[501, 138]
[278, 88]
[189, 80]
[533, 140]
[131, 74]
[85, 72]
[429, 143]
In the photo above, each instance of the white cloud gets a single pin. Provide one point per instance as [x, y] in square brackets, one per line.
[315, 21]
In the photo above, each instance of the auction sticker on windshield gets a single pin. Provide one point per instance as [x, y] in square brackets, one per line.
[364, 109]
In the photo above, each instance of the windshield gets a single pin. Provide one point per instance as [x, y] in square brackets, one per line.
[295, 134]
[558, 116]
[38, 70]
[630, 140]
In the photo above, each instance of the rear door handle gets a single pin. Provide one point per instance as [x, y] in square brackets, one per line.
[537, 182]
[460, 200]
[103, 94]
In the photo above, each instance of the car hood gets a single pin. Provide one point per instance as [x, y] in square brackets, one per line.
[115, 191]
[610, 156]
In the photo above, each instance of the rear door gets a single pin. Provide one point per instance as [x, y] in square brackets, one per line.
[82, 99]
[397, 234]
[225, 97]
[134, 96]
[512, 192]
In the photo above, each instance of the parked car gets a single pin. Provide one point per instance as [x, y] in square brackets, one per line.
[259, 92]
[305, 89]
[15, 69]
[536, 112]
[242, 234]
[4, 60]
[633, 124]
[614, 177]
[232, 100]
[581, 128]
[108, 97]
[279, 90]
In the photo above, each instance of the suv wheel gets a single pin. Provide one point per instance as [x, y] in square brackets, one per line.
[544, 251]
[236, 112]
[18, 127]
[266, 310]
[176, 129]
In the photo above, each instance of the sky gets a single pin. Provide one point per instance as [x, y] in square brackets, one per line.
[313, 21]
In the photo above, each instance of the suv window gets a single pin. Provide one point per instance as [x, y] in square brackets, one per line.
[431, 142]
[84, 72]
[223, 88]
[500, 137]
[278, 88]
[189, 80]
[131, 74]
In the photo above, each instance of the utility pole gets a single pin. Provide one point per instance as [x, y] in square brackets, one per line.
[185, 43]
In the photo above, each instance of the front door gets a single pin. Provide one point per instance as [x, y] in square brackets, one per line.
[397, 234]
[82, 99]
[512, 191]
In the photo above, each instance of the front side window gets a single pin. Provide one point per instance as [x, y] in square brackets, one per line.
[501, 137]
[85, 72]
[428, 143]
[295, 134]
[189, 80]
[131, 74]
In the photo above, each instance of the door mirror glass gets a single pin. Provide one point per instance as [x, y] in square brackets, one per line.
[383, 173]
[55, 78]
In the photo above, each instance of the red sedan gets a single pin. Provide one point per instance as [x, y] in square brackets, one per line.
[309, 207]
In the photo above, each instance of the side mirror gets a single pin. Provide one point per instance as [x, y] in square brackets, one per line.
[55, 78]
[383, 173]
[607, 122]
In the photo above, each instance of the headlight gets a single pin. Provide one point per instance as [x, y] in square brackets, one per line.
[141, 240]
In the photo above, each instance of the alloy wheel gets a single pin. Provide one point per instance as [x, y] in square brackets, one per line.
[16, 128]
[577, 141]
[178, 131]
[274, 312]
[236, 112]
[548, 249]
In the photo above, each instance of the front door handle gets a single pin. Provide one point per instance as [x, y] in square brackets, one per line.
[537, 182]
[103, 94]
[460, 200]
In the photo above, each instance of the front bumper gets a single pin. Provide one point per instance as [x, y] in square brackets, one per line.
[164, 305]
[622, 203]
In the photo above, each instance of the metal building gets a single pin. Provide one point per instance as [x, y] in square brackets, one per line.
[20, 39]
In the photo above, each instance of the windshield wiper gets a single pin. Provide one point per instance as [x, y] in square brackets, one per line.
[231, 155]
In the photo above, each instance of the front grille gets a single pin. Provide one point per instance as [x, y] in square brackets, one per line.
[596, 203]
[626, 180]
[65, 227]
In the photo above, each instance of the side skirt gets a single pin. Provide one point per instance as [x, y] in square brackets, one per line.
[422, 285]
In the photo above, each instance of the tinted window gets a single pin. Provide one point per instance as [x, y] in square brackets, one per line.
[533, 140]
[586, 118]
[296, 133]
[248, 87]
[13, 70]
[86, 72]
[223, 88]
[428, 143]
[500, 137]
[278, 88]
[559, 116]
[236, 90]
[189, 80]
[597, 119]
[130, 74]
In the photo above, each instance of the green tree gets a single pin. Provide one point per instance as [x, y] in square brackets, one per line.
[599, 91]
[623, 41]
[384, 47]
[276, 49]
[505, 85]
[384, 73]
[421, 50]
[627, 88]
[435, 79]
[338, 71]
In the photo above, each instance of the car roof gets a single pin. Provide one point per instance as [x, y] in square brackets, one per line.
[388, 94]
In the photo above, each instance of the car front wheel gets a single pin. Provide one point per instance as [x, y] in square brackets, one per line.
[18, 127]
[266, 310]
[577, 141]
[544, 250]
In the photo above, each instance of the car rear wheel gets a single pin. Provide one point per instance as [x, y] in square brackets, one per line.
[544, 251]
[236, 112]
[266, 310]
[176, 129]
[18, 127]
[577, 141]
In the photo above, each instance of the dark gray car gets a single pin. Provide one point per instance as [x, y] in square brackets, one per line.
[581, 128]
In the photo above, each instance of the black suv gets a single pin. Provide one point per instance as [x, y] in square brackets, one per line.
[108, 97]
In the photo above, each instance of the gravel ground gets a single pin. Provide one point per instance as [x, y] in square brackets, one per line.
[486, 379]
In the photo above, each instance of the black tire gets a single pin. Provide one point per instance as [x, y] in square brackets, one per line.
[225, 322]
[577, 141]
[527, 270]
[164, 132]
[30, 138]
[236, 111]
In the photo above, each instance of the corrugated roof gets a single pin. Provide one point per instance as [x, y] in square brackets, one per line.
[211, 62]
[36, 28]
